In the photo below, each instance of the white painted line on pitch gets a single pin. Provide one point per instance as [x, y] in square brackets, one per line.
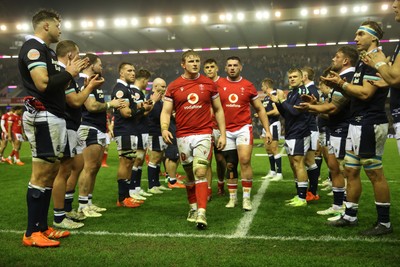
[324, 238]
[266, 155]
[247, 219]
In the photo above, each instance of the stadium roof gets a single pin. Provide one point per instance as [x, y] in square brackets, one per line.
[173, 25]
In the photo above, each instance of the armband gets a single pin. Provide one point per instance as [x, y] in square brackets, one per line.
[379, 64]
[58, 81]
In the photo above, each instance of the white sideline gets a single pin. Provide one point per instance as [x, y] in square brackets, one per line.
[325, 238]
[247, 219]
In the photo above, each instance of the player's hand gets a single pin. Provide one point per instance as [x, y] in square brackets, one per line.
[302, 106]
[117, 103]
[221, 142]
[380, 83]
[268, 137]
[167, 136]
[95, 82]
[76, 65]
[309, 99]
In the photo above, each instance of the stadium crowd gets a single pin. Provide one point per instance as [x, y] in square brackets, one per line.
[65, 122]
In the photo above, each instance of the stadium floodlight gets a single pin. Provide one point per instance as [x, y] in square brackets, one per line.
[222, 17]
[120, 22]
[228, 16]
[260, 15]
[316, 11]
[3, 27]
[186, 19]
[278, 14]
[101, 23]
[240, 16]
[134, 21]
[356, 9]
[204, 18]
[157, 20]
[364, 8]
[67, 24]
[151, 21]
[193, 19]
[324, 11]
[343, 10]
[168, 20]
[385, 7]
[22, 26]
[304, 12]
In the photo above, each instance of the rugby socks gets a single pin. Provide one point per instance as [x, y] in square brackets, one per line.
[383, 210]
[105, 156]
[318, 161]
[153, 172]
[45, 209]
[191, 193]
[34, 197]
[134, 175]
[351, 211]
[69, 198]
[123, 189]
[247, 184]
[272, 162]
[201, 193]
[232, 188]
[313, 175]
[221, 185]
[338, 196]
[157, 180]
[59, 215]
[278, 162]
[302, 189]
[83, 202]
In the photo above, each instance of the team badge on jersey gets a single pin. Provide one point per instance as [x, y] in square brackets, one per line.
[33, 54]
[193, 98]
[119, 94]
[233, 98]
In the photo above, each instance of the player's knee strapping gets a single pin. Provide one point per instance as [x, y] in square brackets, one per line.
[352, 161]
[200, 166]
[372, 163]
[140, 154]
[128, 154]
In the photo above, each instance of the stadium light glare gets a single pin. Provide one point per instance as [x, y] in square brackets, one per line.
[101, 23]
[3, 27]
[121, 22]
[316, 11]
[168, 20]
[278, 14]
[240, 16]
[343, 10]
[385, 7]
[186, 19]
[356, 9]
[193, 19]
[324, 11]
[228, 16]
[204, 18]
[84, 24]
[157, 20]
[134, 21]
[304, 12]
[151, 21]
[222, 17]
[67, 24]
[364, 8]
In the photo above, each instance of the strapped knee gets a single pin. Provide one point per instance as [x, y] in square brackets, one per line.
[372, 163]
[352, 161]
[200, 163]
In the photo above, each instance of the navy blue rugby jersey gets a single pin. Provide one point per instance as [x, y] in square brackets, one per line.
[370, 111]
[267, 103]
[142, 121]
[296, 122]
[35, 53]
[124, 126]
[94, 119]
[395, 93]
[153, 118]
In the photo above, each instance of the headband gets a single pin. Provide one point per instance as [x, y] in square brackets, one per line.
[369, 30]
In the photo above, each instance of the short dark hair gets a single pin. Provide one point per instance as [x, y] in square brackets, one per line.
[143, 74]
[92, 58]
[210, 61]
[123, 64]
[64, 47]
[44, 14]
[234, 58]
[351, 53]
